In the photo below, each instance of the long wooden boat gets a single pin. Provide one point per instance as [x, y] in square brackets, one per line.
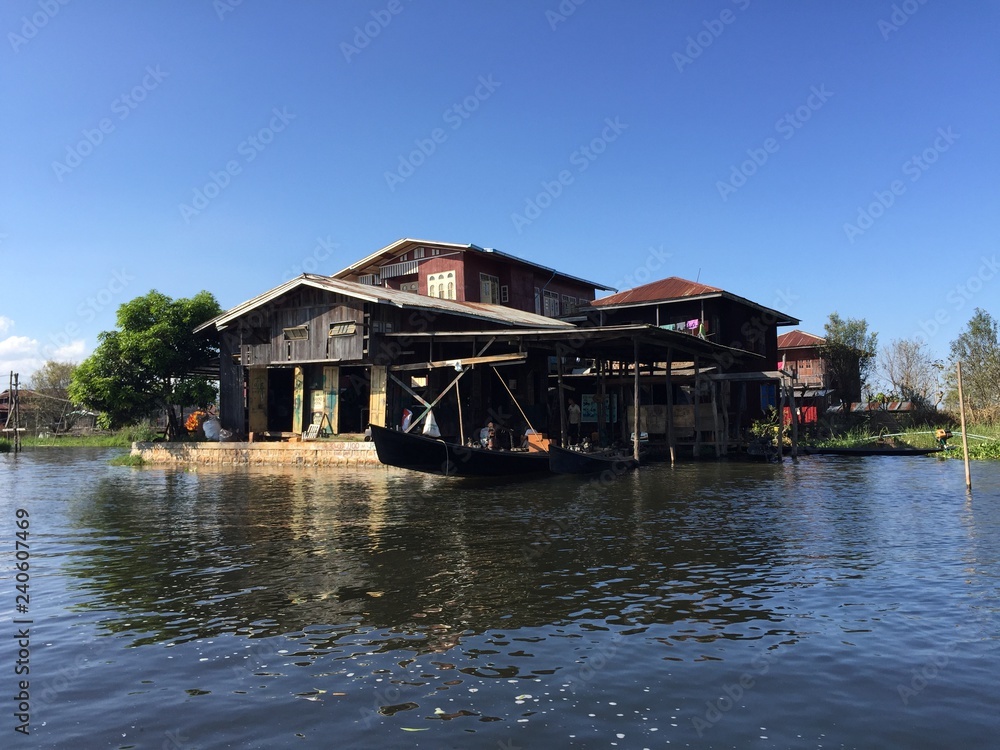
[565, 461]
[873, 450]
[436, 456]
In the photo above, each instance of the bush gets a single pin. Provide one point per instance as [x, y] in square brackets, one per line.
[5, 445]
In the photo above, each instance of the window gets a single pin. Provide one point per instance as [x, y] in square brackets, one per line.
[489, 289]
[568, 304]
[551, 304]
[418, 253]
[345, 328]
[435, 251]
[441, 285]
[504, 294]
[410, 286]
[296, 333]
[538, 301]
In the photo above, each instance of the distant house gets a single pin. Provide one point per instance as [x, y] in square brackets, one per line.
[469, 273]
[799, 353]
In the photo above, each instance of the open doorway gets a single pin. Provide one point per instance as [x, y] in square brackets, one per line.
[353, 397]
[280, 398]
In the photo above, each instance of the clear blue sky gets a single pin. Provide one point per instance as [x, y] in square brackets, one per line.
[733, 141]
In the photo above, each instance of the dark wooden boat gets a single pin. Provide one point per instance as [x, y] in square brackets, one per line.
[407, 450]
[565, 461]
[874, 450]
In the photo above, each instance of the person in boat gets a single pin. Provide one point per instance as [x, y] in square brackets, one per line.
[491, 436]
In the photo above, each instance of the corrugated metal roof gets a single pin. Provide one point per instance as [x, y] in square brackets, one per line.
[408, 300]
[670, 288]
[799, 339]
[371, 263]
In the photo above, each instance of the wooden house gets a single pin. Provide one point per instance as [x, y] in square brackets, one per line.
[344, 351]
[469, 273]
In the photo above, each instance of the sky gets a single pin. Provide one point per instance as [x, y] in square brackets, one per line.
[814, 157]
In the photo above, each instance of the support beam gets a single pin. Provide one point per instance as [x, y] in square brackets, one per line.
[462, 362]
[562, 401]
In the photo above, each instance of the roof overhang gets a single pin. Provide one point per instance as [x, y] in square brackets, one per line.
[393, 297]
[617, 342]
[780, 318]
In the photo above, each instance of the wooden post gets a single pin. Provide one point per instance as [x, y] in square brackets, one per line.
[781, 418]
[715, 418]
[795, 417]
[562, 402]
[635, 399]
[965, 437]
[461, 427]
[670, 406]
[602, 417]
[697, 410]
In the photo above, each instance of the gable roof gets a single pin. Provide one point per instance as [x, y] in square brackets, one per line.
[799, 340]
[670, 288]
[382, 295]
[371, 263]
[674, 289]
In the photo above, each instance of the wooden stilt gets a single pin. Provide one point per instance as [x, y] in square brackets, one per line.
[562, 402]
[670, 407]
[697, 410]
[715, 418]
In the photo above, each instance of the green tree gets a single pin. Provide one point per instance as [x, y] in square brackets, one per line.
[150, 362]
[850, 352]
[49, 399]
[978, 349]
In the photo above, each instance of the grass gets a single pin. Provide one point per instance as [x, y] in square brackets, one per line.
[119, 439]
[127, 459]
[5, 445]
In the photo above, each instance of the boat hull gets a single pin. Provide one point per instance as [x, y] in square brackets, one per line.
[871, 451]
[562, 461]
[436, 456]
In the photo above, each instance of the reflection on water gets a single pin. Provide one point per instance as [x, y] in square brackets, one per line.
[556, 611]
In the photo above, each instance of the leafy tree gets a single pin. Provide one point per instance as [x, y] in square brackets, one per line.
[978, 349]
[907, 366]
[850, 352]
[148, 364]
[49, 401]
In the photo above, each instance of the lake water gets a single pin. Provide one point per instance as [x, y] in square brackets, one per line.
[824, 603]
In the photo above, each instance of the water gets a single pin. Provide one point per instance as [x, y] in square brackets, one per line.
[829, 603]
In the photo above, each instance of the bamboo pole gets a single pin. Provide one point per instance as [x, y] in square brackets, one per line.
[965, 437]
[635, 400]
